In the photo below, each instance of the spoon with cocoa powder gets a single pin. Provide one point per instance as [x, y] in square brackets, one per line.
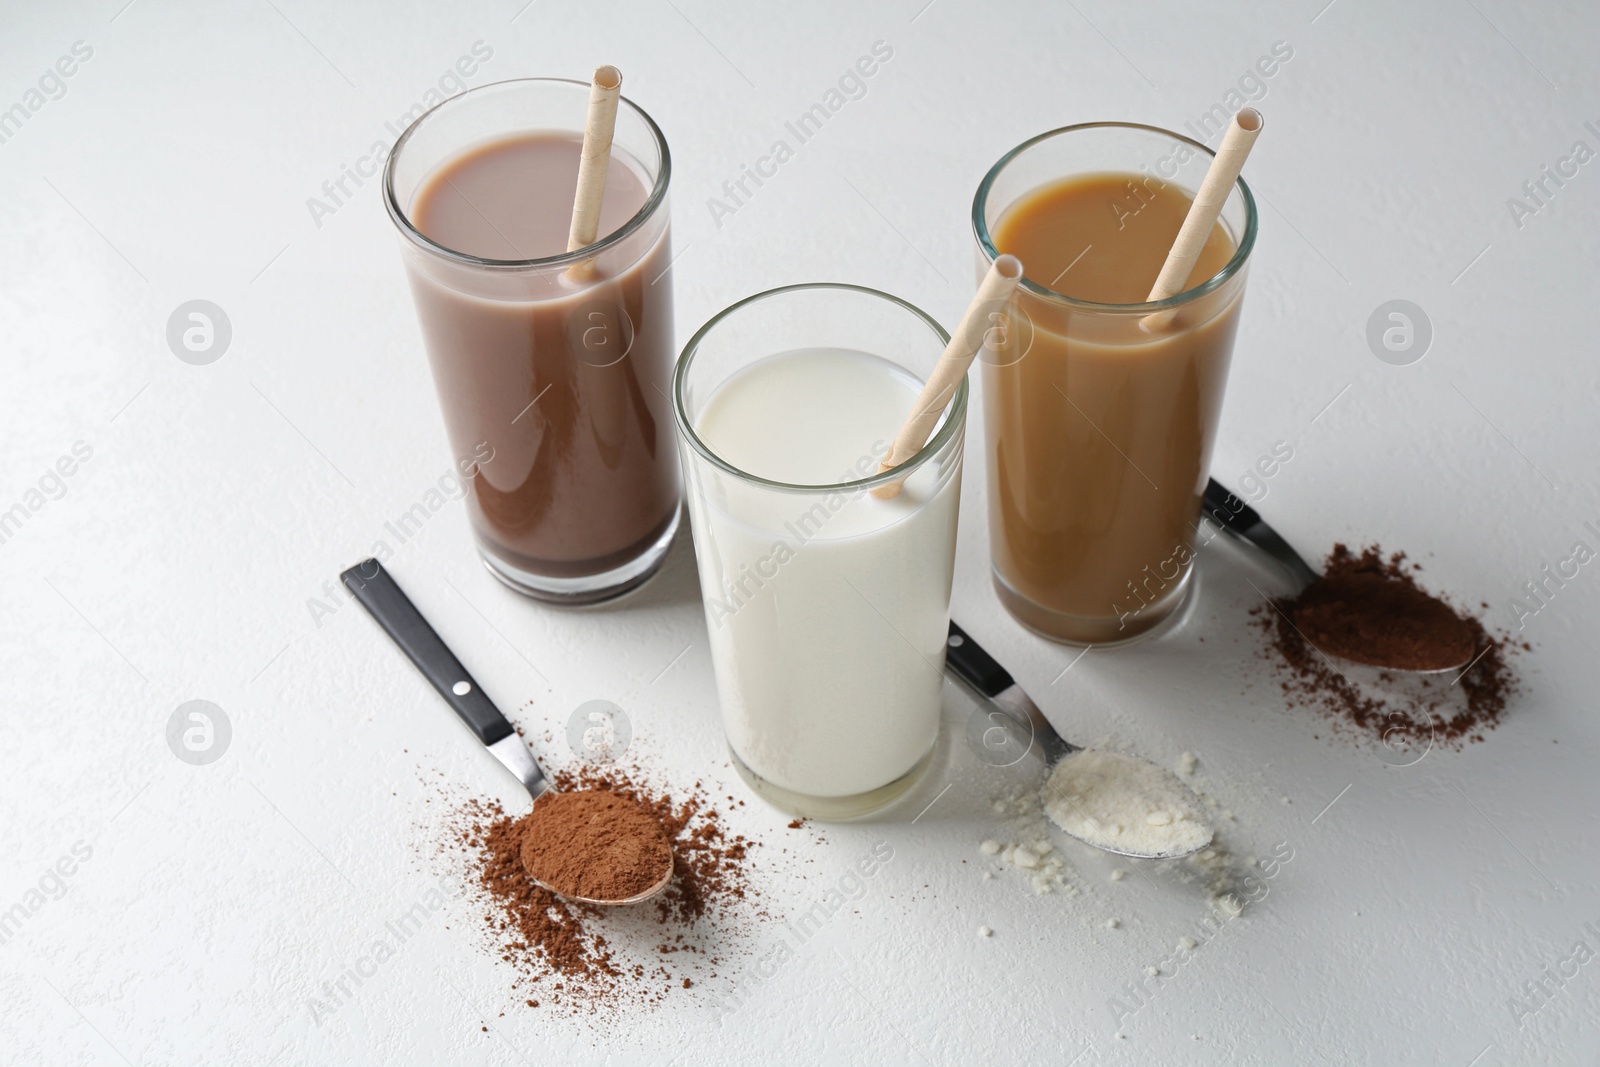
[590, 846]
[1362, 609]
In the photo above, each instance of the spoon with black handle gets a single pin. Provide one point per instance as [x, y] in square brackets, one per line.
[1022, 724]
[1232, 514]
[370, 584]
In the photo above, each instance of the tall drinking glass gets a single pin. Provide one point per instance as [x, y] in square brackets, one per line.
[828, 607]
[1101, 415]
[552, 367]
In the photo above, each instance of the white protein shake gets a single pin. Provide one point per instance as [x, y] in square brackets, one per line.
[828, 611]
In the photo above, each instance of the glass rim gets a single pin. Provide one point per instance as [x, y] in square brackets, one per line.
[955, 417]
[1241, 254]
[652, 203]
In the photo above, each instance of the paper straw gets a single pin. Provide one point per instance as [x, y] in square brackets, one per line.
[1203, 213]
[604, 91]
[994, 293]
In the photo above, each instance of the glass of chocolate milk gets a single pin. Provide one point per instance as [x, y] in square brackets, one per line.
[1101, 409]
[552, 367]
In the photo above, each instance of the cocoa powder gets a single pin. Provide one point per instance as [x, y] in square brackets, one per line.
[594, 845]
[1371, 611]
[708, 861]
[1369, 608]
[578, 956]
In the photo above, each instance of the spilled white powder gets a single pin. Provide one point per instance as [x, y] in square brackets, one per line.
[1027, 846]
[1124, 803]
[1221, 874]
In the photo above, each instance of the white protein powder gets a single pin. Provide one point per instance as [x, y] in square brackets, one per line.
[1027, 847]
[1124, 803]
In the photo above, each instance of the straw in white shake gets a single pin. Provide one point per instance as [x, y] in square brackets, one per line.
[994, 294]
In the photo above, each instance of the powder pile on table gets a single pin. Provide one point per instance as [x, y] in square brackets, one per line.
[1368, 607]
[1025, 844]
[573, 956]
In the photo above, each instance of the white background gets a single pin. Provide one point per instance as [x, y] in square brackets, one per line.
[181, 559]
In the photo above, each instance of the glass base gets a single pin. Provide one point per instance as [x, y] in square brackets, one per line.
[1106, 631]
[833, 809]
[591, 588]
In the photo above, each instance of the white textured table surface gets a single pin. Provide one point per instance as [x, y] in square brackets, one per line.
[183, 558]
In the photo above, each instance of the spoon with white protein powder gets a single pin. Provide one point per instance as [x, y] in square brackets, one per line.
[1121, 804]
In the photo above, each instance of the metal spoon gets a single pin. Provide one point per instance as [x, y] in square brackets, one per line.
[369, 583]
[1230, 512]
[1021, 725]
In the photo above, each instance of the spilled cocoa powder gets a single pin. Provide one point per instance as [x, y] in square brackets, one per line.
[582, 956]
[1369, 608]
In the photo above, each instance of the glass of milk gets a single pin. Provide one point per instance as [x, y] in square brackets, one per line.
[827, 606]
